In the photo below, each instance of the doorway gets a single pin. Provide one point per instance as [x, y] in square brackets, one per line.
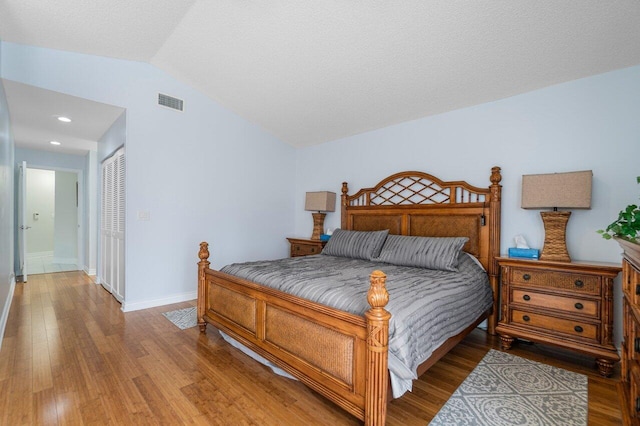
[52, 221]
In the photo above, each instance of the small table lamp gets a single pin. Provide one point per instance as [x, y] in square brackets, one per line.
[564, 190]
[322, 201]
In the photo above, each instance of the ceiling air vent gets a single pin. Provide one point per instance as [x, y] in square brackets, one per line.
[170, 102]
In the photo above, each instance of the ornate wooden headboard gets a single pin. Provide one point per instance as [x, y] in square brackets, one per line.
[416, 203]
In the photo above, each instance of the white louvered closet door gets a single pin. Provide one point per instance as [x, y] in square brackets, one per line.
[112, 224]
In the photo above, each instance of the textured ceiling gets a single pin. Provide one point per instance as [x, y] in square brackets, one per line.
[315, 71]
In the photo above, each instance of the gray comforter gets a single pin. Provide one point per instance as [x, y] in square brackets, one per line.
[427, 306]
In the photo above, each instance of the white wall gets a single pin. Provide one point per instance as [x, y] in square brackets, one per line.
[65, 233]
[49, 160]
[203, 174]
[40, 210]
[592, 123]
[113, 138]
[7, 170]
[91, 222]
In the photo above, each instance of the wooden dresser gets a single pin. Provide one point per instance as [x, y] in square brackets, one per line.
[305, 247]
[566, 304]
[630, 381]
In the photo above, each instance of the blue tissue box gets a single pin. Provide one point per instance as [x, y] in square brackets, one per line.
[325, 237]
[524, 253]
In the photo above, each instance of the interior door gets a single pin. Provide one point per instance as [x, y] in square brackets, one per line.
[112, 274]
[22, 219]
[106, 225]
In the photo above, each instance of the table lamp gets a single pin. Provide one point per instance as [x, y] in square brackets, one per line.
[321, 201]
[570, 190]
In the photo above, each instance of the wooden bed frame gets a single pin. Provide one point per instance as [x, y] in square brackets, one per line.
[340, 355]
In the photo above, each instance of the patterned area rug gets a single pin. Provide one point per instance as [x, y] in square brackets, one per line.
[183, 318]
[508, 390]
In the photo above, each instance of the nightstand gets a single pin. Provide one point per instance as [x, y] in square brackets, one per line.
[305, 247]
[566, 304]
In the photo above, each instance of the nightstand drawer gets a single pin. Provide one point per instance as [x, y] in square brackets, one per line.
[305, 247]
[579, 283]
[304, 250]
[559, 325]
[572, 305]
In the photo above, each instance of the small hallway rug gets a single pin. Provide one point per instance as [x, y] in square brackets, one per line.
[182, 318]
[508, 390]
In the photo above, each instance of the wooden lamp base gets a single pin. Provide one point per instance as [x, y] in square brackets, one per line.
[318, 225]
[555, 236]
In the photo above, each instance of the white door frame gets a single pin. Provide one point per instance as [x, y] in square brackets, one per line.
[22, 219]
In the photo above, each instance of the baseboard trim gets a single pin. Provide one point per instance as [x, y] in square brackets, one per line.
[5, 309]
[88, 271]
[136, 306]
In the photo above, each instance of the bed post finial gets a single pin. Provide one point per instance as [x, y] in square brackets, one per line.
[495, 178]
[203, 254]
[343, 205]
[377, 375]
[378, 296]
[203, 265]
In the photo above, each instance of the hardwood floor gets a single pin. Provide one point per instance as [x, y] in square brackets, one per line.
[70, 356]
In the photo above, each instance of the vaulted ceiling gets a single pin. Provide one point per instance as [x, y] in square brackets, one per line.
[314, 71]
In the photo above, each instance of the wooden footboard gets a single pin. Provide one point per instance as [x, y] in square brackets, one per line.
[339, 355]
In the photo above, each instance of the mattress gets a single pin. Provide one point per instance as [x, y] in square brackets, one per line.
[427, 306]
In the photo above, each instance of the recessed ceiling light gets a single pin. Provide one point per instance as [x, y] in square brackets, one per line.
[54, 143]
[64, 119]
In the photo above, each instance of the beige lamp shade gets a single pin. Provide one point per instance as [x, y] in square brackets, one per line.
[571, 190]
[320, 201]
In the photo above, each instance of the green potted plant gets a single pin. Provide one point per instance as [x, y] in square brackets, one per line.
[627, 226]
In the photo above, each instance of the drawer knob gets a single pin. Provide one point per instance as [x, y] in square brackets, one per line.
[526, 297]
[526, 277]
[578, 329]
[526, 318]
[579, 283]
[297, 248]
[636, 344]
[637, 289]
[578, 305]
[313, 250]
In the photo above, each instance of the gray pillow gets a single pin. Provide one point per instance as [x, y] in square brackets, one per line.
[355, 244]
[440, 253]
